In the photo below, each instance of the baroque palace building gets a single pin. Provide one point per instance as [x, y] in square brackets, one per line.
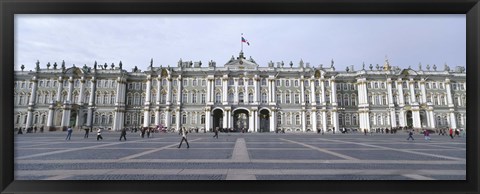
[241, 94]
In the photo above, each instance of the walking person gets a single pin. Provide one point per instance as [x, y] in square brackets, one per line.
[86, 133]
[142, 132]
[148, 132]
[69, 133]
[99, 134]
[410, 135]
[451, 133]
[216, 132]
[123, 134]
[426, 134]
[184, 137]
[20, 131]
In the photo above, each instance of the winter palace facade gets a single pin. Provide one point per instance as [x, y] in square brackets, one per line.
[240, 94]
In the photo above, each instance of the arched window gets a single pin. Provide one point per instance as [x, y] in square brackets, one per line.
[279, 98]
[194, 97]
[174, 119]
[128, 119]
[347, 119]
[203, 98]
[218, 97]
[377, 99]
[202, 119]
[185, 98]
[240, 97]
[136, 99]
[354, 100]
[264, 82]
[307, 118]
[354, 119]
[110, 119]
[287, 98]
[250, 98]
[104, 119]
[164, 98]
[18, 119]
[379, 120]
[44, 118]
[129, 99]
[384, 99]
[340, 119]
[339, 100]
[327, 98]
[250, 82]
[264, 97]
[297, 119]
[345, 100]
[184, 119]
[307, 98]
[152, 119]
[279, 119]
[105, 99]
[112, 98]
[230, 97]
[240, 82]
[35, 120]
[297, 99]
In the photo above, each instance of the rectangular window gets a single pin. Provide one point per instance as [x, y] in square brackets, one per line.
[184, 98]
[203, 98]
[278, 82]
[287, 83]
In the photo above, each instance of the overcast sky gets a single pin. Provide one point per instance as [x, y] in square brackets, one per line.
[407, 40]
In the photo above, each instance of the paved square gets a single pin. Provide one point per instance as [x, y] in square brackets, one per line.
[237, 156]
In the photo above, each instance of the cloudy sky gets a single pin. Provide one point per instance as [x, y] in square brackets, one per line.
[407, 40]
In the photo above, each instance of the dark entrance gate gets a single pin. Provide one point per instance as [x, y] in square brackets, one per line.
[409, 119]
[264, 121]
[240, 120]
[217, 118]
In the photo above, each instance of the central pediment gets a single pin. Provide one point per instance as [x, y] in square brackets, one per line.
[241, 63]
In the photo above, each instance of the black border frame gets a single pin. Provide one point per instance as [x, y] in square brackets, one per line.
[10, 7]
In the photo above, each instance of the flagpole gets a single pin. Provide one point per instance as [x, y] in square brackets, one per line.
[241, 42]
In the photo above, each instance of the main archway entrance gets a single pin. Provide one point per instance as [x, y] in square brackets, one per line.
[264, 121]
[73, 118]
[409, 119]
[217, 118]
[240, 120]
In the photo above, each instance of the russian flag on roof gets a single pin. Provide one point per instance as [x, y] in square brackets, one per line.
[243, 40]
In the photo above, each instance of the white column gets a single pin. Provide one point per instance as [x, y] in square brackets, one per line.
[269, 95]
[80, 96]
[272, 121]
[432, 118]
[60, 88]
[322, 95]
[334, 93]
[312, 93]
[257, 121]
[335, 120]
[423, 92]
[274, 90]
[50, 117]
[225, 91]
[70, 90]
[207, 118]
[393, 119]
[389, 92]
[245, 93]
[235, 98]
[257, 91]
[313, 116]
[416, 118]
[402, 117]
[412, 91]
[146, 111]
[453, 121]
[225, 119]
[449, 95]
[157, 116]
[91, 101]
[31, 103]
[177, 112]
[324, 120]
[159, 85]
[304, 124]
[209, 92]
[250, 121]
[119, 114]
[179, 93]
[400, 93]
[230, 119]
[169, 90]
[167, 117]
[302, 97]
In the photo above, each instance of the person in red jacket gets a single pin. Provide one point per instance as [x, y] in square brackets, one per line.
[451, 133]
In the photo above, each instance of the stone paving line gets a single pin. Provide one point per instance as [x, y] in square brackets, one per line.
[82, 148]
[394, 149]
[250, 161]
[242, 173]
[151, 151]
[321, 150]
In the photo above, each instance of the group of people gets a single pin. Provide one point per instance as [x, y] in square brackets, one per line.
[29, 130]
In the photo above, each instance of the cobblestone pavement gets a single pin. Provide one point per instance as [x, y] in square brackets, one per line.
[237, 156]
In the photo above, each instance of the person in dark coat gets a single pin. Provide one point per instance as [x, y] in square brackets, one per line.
[86, 133]
[148, 132]
[69, 133]
[41, 129]
[20, 131]
[184, 138]
[216, 132]
[410, 135]
[123, 134]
